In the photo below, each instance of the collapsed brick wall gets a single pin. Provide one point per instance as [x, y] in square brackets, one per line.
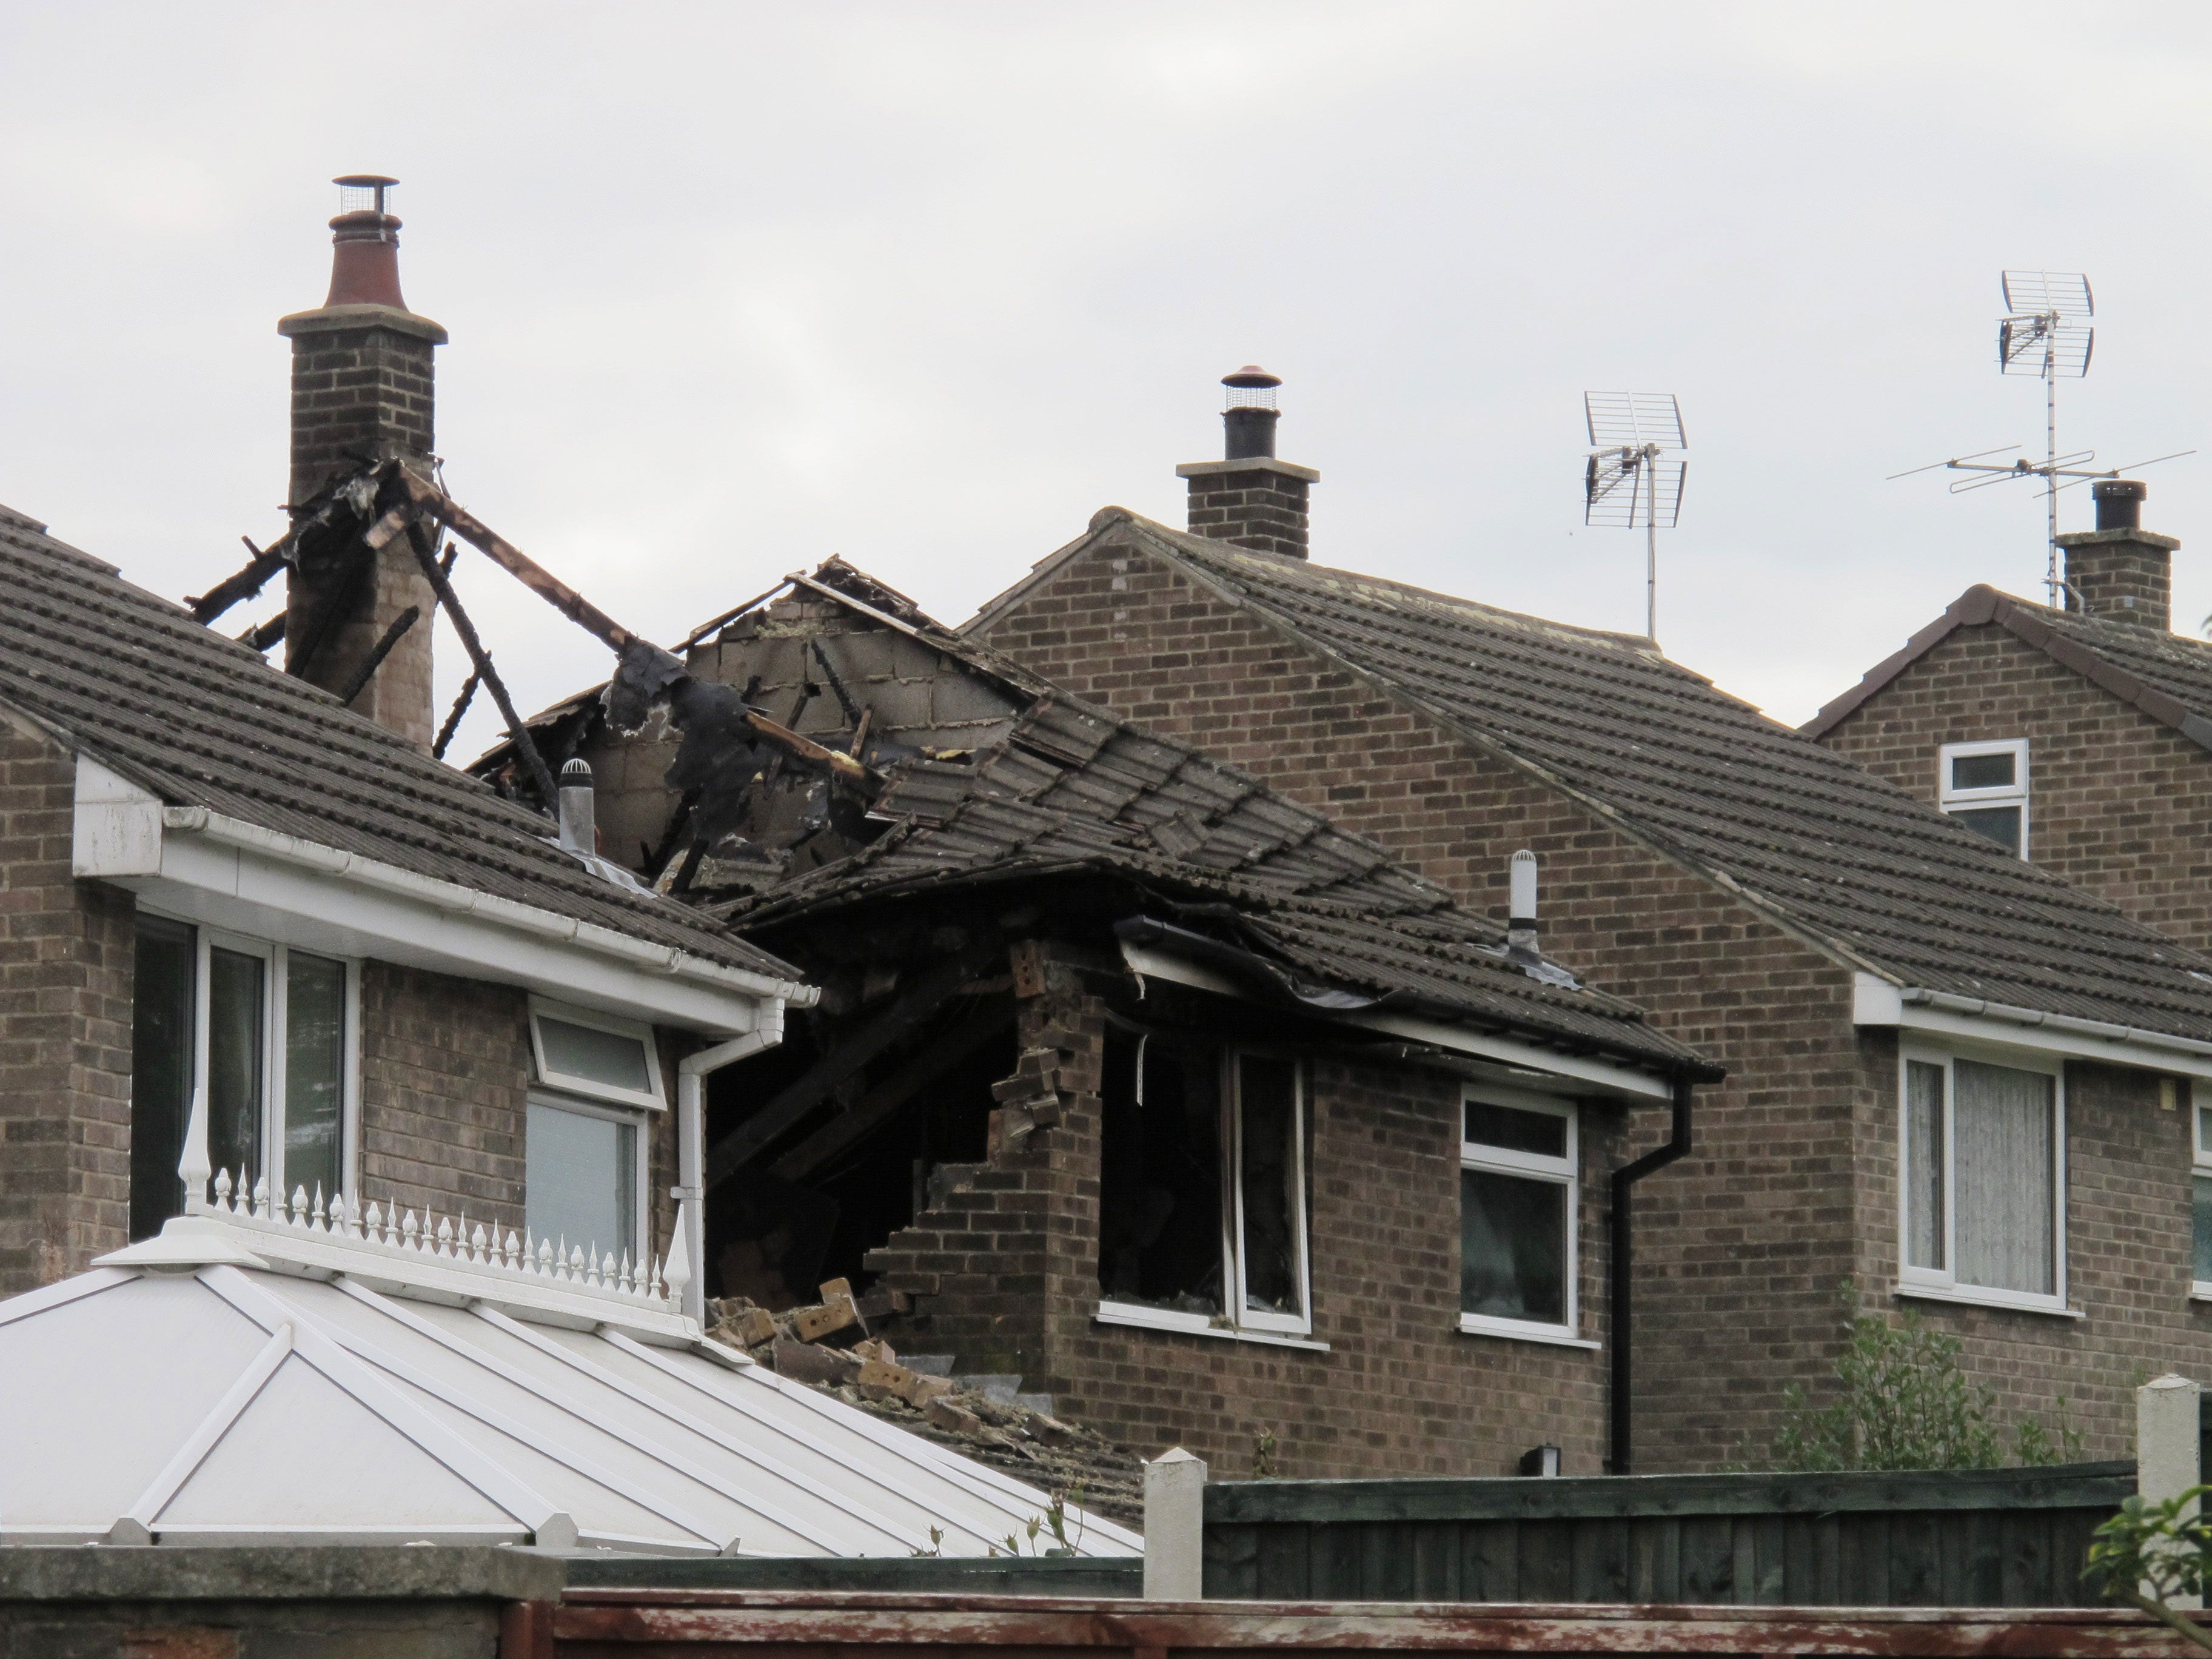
[2119, 804]
[1741, 1247]
[66, 973]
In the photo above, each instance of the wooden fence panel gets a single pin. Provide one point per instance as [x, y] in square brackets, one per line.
[1981, 1538]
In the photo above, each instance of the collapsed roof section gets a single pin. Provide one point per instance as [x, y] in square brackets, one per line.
[971, 772]
[137, 682]
[1875, 879]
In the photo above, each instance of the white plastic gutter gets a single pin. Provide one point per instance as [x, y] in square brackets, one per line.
[454, 898]
[1878, 1002]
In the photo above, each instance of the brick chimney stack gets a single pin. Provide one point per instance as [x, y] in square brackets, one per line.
[363, 389]
[1249, 498]
[2120, 572]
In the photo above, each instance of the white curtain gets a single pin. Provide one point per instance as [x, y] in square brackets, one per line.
[2006, 1187]
[1924, 1179]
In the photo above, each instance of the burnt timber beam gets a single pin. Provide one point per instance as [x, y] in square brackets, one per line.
[480, 660]
[847, 1054]
[400, 624]
[454, 718]
[244, 585]
[881, 1104]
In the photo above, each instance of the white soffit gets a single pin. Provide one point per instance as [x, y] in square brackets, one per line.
[1533, 1067]
[231, 1404]
[270, 886]
[1876, 1002]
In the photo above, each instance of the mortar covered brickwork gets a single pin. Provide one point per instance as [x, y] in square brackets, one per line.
[1791, 1190]
[2120, 803]
[65, 968]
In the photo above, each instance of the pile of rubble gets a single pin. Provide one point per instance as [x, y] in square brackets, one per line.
[826, 1346]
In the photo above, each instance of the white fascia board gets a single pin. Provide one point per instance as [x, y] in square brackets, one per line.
[1580, 1074]
[204, 867]
[1877, 1002]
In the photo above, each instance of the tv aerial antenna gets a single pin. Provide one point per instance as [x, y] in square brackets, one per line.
[2046, 332]
[1632, 480]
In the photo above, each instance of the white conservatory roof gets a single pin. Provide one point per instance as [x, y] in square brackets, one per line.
[251, 1377]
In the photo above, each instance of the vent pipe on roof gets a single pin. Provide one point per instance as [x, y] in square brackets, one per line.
[1249, 498]
[2119, 572]
[1520, 904]
[580, 831]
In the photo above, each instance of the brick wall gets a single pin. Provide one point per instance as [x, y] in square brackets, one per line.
[65, 970]
[2120, 805]
[1792, 1188]
[1005, 1268]
[445, 1079]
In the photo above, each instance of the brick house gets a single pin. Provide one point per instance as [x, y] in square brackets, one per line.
[2077, 739]
[254, 890]
[1876, 977]
[1129, 1076]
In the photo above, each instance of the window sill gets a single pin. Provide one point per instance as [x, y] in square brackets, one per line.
[2200, 1291]
[2004, 1302]
[1512, 1331]
[1163, 1319]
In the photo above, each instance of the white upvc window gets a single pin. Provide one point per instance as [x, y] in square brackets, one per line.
[1519, 1179]
[1984, 787]
[1266, 1214]
[584, 1146]
[1203, 1216]
[1982, 1177]
[2201, 1186]
[270, 1037]
[580, 1051]
[584, 1175]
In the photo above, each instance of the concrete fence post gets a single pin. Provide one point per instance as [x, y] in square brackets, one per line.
[2167, 1455]
[1175, 1526]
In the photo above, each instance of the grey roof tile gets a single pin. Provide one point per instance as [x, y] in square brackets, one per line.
[204, 721]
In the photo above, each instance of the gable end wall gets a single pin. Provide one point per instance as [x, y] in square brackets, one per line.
[2120, 804]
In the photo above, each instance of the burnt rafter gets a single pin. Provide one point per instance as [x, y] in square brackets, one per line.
[854, 1048]
[400, 624]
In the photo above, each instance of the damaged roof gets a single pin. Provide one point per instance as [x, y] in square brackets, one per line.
[2165, 675]
[129, 677]
[1875, 879]
[1068, 787]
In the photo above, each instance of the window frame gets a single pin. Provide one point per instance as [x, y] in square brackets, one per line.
[275, 960]
[1943, 1283]
[2200, 1168]
[1950, 800]
[654, 1097]
[1232, 1206]
[1565, 1171]
[640, 1218]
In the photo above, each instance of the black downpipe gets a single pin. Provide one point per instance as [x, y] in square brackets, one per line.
[1622, 1269]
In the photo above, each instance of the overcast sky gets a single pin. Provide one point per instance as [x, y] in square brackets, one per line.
[732, 287]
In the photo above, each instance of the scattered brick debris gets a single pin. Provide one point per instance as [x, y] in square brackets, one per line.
[1035, 1446]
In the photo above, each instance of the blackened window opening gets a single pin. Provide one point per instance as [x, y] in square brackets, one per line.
[1160, 1231]
[1268, 1181]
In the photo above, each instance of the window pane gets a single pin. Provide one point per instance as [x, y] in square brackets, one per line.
[596, 1056]
[1512, 1247]
[1159, 1199]
[1999, 823]
[2001, 1135]
[1267, 1180]
[161, 1071]
[1516, 1131]
[581, 1175]
[314, 1073]
[1981, 771]
[2203, 1230]
[1923, 1160]
[236, 990]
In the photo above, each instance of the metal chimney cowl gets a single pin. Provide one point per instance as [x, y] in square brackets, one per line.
[1249, 498]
